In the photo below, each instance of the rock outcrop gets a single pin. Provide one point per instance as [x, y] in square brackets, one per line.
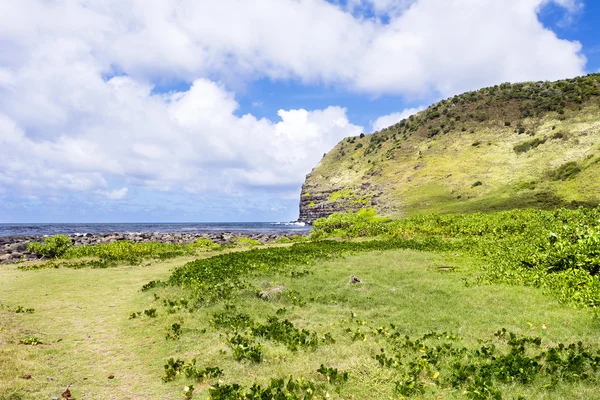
[316, 202]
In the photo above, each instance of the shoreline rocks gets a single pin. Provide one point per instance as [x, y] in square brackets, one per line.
[14, 248]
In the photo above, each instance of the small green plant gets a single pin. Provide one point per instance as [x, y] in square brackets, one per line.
[528, 145]
[333, 375]
[206, 244]
[173, 368]
[23, 310]
[188, 392]
[560, 135]
[565, 171]
[151, 312]
[174, 332]
[152, 285]
[231, 320]
[286, 333]
[31, 341]
[52, 247]
[245, 242]
[244, 348]
[290, 388]
[135, 314]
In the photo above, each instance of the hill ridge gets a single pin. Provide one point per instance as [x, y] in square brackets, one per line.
[531, 144]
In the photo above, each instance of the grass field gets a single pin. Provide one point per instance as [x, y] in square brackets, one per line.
[82, 318]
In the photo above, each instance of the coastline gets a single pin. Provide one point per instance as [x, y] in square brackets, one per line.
[14, 248]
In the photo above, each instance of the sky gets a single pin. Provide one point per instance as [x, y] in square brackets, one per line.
[215, 111]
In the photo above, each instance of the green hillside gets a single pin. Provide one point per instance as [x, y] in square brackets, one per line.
[534, 144]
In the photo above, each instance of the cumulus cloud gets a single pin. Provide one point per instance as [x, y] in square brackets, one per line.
[570, 5]
[116, 194]
[390, 119]
[439, 45]
[79, 110]
[188, 140]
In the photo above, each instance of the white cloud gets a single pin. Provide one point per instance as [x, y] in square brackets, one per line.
[390, 119]
[185, 140]
[438, 45]
[116, 194]
[380, 7]
[76, 83]
[571, 6]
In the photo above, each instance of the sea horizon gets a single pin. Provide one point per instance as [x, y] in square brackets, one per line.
[75, 228]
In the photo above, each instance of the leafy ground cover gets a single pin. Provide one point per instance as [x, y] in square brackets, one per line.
[558, 251]
[61, 253]
[437, 306]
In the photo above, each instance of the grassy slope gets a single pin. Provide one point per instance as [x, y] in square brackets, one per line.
[414, 172]
[88, 309]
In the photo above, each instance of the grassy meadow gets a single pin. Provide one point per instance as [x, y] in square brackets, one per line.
[435, 315]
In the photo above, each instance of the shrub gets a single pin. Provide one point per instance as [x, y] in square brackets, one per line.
[52, 247]
[528, 145]
[560, 135]
[244, 241]
[205, 243]
[365, 222]
[565, 171]
[433, 132]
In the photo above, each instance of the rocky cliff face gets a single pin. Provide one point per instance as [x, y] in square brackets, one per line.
[533, 144]
[318, 201]
[314, 204]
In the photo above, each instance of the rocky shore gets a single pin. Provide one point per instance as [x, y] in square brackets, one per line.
[14, 248]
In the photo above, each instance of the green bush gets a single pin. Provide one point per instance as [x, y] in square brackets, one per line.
[365, 222]
[528, 145]
[53, 247]
[130, 252]
[565, 171]
[244, 241]
[206, 244]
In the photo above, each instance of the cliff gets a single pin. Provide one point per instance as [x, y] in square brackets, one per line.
[534, 144]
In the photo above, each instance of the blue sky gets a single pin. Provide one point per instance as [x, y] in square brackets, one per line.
[201, 111]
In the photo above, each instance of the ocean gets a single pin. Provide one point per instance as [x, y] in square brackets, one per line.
[188, 227]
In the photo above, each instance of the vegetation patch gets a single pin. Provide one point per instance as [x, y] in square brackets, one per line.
[556, 250]
[64, 255]
[528, 145]
[244, 242]
[52, 247]
[565, 171]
